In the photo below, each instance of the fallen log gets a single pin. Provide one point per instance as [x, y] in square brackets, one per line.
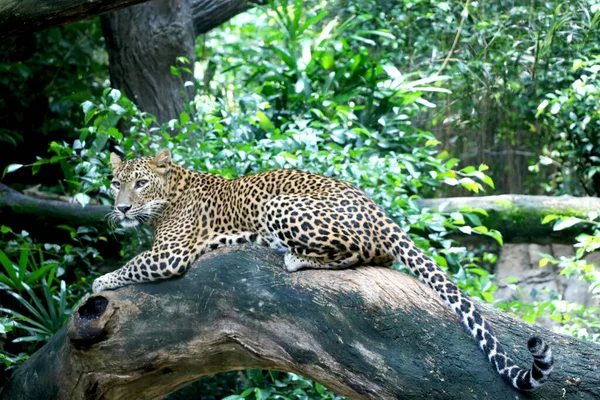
[519, 217]
[367, 333]
[14, 204]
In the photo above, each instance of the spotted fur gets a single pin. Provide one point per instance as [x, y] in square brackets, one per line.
[318, 222]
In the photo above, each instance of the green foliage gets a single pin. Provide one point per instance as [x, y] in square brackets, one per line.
[46, 315]
[274, 385]
[28, 270]
[6, 359]
[254, 385]
[507, 56]
[45, 76]
[575, 319]
[35, 302]
[572, 116]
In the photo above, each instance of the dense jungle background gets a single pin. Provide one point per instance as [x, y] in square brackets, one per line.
[406, 99]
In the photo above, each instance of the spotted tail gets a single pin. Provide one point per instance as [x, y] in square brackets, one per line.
[430, 274]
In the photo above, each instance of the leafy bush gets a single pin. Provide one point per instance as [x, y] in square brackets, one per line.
[575, 319]
[502, 59]
[44, 77]
[255, 385]
[33, 290]
[573, 119]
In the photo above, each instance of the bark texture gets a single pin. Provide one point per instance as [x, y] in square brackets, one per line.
[367, 333]
[143, 42]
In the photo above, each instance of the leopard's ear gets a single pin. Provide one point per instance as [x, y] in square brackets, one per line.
[115, 161]
[162, 159]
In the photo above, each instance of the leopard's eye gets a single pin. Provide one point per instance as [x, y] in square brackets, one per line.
[116, 184]
[141, 183]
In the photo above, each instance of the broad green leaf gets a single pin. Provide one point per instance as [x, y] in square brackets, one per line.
[184, 118]
[264, 122]
[549, 218]
[465, 229]
[11, 168]
[566, 223]
[114, 94]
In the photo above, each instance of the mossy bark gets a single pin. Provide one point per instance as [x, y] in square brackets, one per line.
[519, 217]
[367, 333]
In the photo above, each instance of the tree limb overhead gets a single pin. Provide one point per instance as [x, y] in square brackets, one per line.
[20, 16]
[209, 14]
[367, 333]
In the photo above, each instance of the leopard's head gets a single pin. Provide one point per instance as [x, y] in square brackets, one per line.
[140, 188]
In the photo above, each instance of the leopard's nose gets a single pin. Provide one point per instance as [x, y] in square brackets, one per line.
[124, 208]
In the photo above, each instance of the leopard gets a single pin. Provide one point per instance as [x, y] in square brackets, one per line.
[317, 222]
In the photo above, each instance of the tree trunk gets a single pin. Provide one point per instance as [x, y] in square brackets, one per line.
[367, 333]
[143, 42]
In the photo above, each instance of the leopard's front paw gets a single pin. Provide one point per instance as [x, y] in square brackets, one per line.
[105, 282]
[98, 285]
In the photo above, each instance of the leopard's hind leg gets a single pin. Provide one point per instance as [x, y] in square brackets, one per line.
[295, 262]
[316, 234]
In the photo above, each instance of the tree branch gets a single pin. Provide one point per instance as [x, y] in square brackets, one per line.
[15, 204]
[19, 16]
[463, 16]
[367, 333]
[209, 14]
